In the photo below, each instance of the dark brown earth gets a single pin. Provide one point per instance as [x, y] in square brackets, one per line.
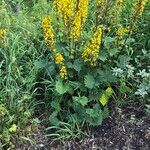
[127, 129]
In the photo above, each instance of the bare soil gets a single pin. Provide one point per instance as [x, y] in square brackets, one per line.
[126, 129]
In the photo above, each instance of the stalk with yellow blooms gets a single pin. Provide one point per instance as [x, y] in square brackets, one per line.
[79, 20]
[90, 53]
[117, 10]
[65, 10]
[48, 32]
[121, 31]
[3, 37]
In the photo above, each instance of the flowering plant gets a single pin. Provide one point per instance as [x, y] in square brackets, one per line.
[82, 47]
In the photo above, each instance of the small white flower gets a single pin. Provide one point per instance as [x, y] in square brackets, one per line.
[143, 73]
[117, 71]
[142, 92]
[130, 70]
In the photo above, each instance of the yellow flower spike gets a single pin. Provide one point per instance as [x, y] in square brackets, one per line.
[105, 96]
[59, 59]
[120, 34]
[83, 9]
[3, 37]
[119, 2]
[2, 32]
[121, 31]
[64, 9]
[76, 29]
[63, 72]
[79, 20]
[13, 128]
[139, 7]
[91, 51]
[117, 10]
[48, 32]
[100, 3]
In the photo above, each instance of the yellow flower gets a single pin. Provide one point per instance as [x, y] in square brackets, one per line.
[48, 32]
[119, 2]
[63, 72]
[59, 59]
[76, 28]
[83, 9]
[121, 31]
[91, 51]
[79, 20]
[2, 32]
[117, 10]
[3, 37]
[120, 34]
[139, 7]
[100, 3]
[64, 9]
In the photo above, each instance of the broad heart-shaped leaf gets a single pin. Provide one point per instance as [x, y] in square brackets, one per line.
[55, 104]
[81, 100]
[77, 65]
[105, 96]
[123, 61]
[61, 88]
[89, 81]
[96, 120]
[91, 112]
[40, 63]
[103, 56]
[113, 51]
[105, 112]
[105, 76]
[53, 118]
[109, 42]
[94, 115]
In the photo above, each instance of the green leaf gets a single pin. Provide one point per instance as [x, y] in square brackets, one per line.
[53, 118]
[91, 112]
[69, 65]
[109, 42]
[94, 115]
[103, 56]
[61, 88]
[123, 61]
[81, 100]
[40, 64]
[55, 104]
[105, 112]
[77, 65]
[113, 51]
[13, 128]
[105, 96]
[96, 121]
[89, 81]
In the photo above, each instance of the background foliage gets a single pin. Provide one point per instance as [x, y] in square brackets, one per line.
[30, 78]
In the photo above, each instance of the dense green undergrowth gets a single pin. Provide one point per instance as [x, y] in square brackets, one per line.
[66, 63]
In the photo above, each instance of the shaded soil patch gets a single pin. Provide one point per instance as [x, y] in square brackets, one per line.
[127, 129]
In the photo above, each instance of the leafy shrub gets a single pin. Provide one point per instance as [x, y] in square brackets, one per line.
[72, 57]
[86, 41]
